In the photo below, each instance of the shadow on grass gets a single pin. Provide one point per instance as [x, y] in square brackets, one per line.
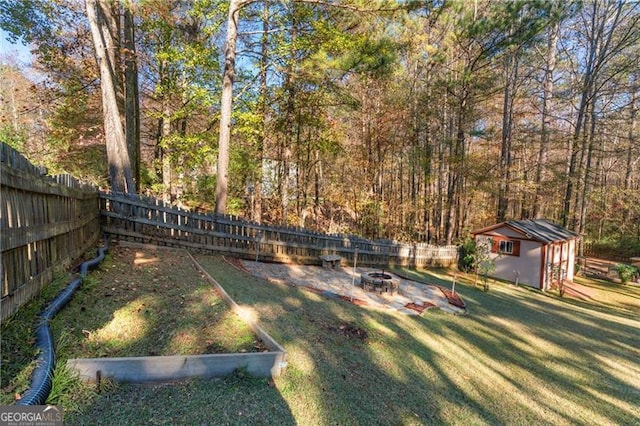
[631, 291]
[150, 303]
[139, 322]
[519, 357]
[121, 309]
[572, 364]
[236, 399]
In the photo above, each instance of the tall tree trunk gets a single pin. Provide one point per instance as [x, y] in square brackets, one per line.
[317, 185]
[633, 112]
[290, 119]
[264, 47]
[14, 105]
[575, 149]
[426, 165]
[442, 172]
[100, 14]
[547, 107]
[167, 190]
[226, 105]
[586, 179]
[457, 182]
[132, 99]
[605, 20]
[511, 76]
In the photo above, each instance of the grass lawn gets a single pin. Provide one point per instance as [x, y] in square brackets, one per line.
[140, 302]
[518, 357]
[144, 302]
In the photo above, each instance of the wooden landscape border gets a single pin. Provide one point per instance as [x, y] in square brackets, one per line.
[157, 369]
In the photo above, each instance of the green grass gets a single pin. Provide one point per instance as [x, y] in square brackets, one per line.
[237, 399]
[149, 303]
[17, 348]
[137, 303]
[518, 357]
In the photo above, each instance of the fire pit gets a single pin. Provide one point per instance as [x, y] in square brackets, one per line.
[380, 282]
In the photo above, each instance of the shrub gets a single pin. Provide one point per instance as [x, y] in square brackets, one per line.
[467, 255]
[626, 272]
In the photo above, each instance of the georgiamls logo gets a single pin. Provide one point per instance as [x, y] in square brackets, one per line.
[55, 409]
[34, 415]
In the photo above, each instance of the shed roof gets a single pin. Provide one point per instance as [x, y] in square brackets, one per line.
[540, 230]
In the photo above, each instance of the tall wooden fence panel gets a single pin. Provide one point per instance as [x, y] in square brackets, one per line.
[148, 220]
[46, 222]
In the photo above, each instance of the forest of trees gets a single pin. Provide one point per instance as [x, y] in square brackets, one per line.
[407, 120]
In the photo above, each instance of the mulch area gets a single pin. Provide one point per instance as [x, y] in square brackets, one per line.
[350, 330]
[357, 302]
[453, 298]
[420, 308]
[311, 289]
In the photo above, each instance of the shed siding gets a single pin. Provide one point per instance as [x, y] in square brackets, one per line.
[535, 257]
[527, 265]
[572, 260]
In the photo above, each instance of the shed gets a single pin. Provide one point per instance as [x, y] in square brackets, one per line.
[537, 253]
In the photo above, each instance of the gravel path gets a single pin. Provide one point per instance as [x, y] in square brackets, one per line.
[344, 282]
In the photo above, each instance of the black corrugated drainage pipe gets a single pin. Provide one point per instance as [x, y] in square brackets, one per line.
[42, 376]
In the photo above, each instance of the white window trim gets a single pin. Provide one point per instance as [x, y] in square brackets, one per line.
[504, 246]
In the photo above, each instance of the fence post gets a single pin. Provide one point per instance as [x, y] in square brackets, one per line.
[258, 239]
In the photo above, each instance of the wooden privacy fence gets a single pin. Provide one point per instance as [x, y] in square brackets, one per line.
[609, 253]
[148, 220]
[46, 222]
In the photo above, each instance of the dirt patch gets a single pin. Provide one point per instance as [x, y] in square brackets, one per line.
[150, 302]
[236, 262]
[349, 330]
[355, 301]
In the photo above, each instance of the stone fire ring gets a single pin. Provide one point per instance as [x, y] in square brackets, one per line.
[380, 282]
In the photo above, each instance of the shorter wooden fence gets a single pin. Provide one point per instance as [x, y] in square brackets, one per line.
[148, 220]
[609, 253]
[46, 222]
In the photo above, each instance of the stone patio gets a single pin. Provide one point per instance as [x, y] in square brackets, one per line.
[344, 283]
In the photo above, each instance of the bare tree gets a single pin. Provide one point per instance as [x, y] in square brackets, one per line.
[611, 28]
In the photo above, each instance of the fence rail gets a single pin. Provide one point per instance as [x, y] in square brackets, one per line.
[148, 220]
[46, 222]
[609, 253]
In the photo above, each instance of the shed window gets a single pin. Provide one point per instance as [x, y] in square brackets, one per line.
[503, 246]
[506, 247]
